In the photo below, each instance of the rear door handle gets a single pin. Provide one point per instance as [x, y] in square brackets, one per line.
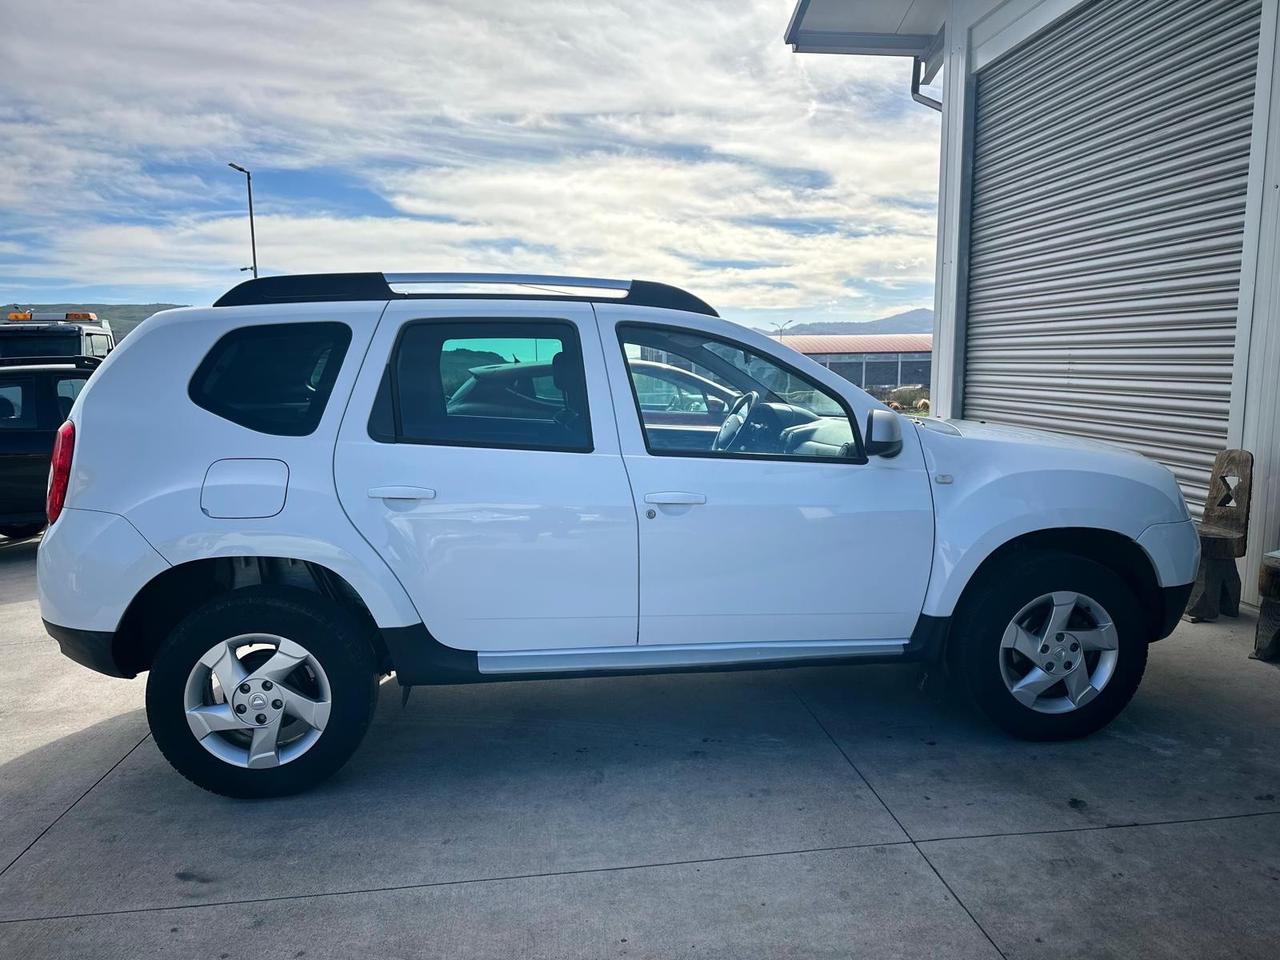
[675, 497]
[401, 493]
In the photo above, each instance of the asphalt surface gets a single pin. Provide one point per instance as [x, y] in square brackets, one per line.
[847, 812]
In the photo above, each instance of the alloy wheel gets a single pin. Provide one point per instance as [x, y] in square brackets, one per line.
[1059, 652]
[257, 700]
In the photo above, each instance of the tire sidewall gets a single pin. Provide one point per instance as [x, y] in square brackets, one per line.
[327, 631]
[1005, 591]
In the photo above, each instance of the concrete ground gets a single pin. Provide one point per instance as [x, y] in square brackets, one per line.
[810, 813]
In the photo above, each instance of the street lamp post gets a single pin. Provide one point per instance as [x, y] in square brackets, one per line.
[253, 241]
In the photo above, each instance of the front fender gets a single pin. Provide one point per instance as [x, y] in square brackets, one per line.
[988, 493]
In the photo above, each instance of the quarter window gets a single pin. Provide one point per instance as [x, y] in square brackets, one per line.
[704, 396]
[67, 389]
[273, 378]
[486, 383]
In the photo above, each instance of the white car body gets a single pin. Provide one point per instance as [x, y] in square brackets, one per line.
[544, 561]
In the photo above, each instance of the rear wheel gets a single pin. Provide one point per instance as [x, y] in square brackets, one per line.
[262, 692]
[1051, 646]
[22, 532]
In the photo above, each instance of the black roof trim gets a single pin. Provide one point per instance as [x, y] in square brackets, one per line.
[331, 287]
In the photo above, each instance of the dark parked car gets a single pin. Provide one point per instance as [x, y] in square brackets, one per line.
[36, 394]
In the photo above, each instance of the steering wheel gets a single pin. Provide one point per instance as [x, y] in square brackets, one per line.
[735, 420]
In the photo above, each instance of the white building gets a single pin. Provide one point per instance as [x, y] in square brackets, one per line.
[1109, 218]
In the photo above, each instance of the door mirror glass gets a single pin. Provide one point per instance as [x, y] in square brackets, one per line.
[884, 434]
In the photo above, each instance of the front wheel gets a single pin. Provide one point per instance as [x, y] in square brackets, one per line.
[262, 692]
[1051, 646]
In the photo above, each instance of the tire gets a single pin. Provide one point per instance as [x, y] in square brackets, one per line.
[338, 674]
[22, 532]
[988, 657]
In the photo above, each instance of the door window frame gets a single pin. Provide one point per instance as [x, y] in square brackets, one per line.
[572, 339]
[620, 329]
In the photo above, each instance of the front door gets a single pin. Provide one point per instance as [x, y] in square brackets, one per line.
[766, 526]
[479, 457]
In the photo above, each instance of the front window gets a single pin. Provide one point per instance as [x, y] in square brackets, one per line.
[701, 395]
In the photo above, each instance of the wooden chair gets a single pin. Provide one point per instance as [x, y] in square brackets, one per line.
[1223, 538]
[1266, 645]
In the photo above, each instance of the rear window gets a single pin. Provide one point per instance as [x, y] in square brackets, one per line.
[274, 378]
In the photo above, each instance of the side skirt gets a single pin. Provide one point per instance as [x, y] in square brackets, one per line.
[419, 659]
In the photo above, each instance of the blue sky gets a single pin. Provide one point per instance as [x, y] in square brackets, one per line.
[662, 140]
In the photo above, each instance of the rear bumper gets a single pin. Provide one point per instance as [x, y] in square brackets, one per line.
[1175, 601]
[89, 648]
[90, 567]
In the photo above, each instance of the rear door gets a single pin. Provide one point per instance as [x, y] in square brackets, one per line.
[503, 509]
[26, 443]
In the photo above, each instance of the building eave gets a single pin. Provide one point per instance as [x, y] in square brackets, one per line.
[804, 38]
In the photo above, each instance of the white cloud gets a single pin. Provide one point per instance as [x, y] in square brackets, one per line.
[666, 140]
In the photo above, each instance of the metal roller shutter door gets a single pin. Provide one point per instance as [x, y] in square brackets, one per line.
[1110, 165]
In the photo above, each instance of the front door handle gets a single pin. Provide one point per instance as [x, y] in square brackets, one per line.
[401, 493]
[675, 498]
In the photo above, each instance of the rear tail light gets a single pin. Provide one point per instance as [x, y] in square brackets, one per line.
[64, 446]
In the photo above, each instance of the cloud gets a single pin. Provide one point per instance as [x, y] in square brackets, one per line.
[674, 141]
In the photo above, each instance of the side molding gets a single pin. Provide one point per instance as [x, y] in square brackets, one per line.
[419, 659]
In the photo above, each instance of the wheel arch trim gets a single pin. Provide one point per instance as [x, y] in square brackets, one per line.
[1118, 552]
[173, 593]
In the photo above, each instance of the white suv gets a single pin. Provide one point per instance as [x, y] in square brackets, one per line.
[271, 502]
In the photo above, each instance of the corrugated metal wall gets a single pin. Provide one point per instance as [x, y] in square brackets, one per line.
[1111, 155]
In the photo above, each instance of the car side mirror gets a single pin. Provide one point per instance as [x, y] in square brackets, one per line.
[716, 406]
[884, 434]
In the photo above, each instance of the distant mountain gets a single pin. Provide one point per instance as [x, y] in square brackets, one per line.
[912, 321]
[123, 317]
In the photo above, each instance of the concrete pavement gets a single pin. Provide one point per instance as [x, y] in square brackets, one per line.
[808, 813]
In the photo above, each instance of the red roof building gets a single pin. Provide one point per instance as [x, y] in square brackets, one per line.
[841, 343]
[879, 360]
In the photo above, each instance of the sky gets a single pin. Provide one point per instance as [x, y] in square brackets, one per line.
[672, 141]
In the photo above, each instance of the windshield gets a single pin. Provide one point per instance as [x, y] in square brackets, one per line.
[40, 345]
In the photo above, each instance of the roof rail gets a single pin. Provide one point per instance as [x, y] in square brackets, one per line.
[321, 287]
[83, 363]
